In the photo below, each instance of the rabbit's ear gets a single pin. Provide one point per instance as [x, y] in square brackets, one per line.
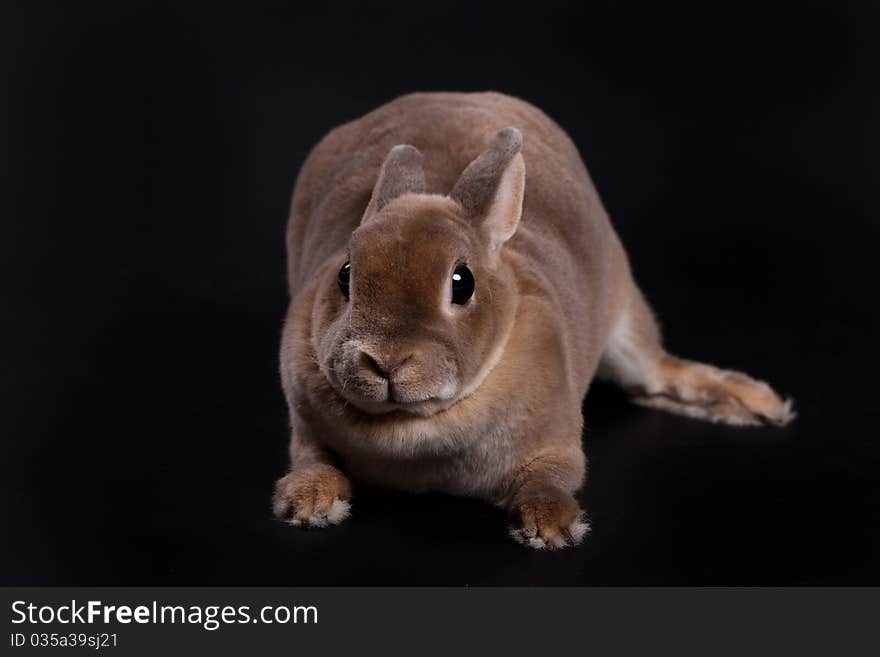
[491, 188]
[401, 173]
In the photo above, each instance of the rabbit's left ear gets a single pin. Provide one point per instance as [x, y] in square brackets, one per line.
[401, 173]
[491, 188]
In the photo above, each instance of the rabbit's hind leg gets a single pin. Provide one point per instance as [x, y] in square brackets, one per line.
[635, 359]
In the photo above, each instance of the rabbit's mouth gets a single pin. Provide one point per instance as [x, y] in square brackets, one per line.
[410, 385]
[378, 397]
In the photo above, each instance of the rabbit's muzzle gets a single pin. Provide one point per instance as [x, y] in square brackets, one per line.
[381, 378]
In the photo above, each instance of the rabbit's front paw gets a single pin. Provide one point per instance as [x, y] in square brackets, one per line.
[315, 496]
[547, 518]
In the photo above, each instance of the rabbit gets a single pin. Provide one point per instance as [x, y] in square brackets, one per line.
[455, 286]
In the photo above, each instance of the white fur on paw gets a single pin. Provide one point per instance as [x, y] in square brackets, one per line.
[579, 529]
[279, 506]
[528, 536]
[786, 415]
[338, 511]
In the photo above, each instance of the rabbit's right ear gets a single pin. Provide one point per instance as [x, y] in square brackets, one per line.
[401, 173]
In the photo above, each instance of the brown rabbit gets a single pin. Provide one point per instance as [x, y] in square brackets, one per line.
[455, 286]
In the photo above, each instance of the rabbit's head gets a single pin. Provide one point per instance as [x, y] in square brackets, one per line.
[415, 313]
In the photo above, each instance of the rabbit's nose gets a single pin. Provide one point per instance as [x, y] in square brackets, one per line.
[384, 368]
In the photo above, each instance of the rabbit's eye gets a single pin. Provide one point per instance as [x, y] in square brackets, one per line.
[343, 278]
[462, 285]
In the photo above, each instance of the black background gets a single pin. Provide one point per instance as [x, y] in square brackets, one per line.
[148, 152]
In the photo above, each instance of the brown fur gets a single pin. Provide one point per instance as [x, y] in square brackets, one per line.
[398, 386]
[310, 490]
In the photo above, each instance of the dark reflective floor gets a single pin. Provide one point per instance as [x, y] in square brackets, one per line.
[147, 161]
